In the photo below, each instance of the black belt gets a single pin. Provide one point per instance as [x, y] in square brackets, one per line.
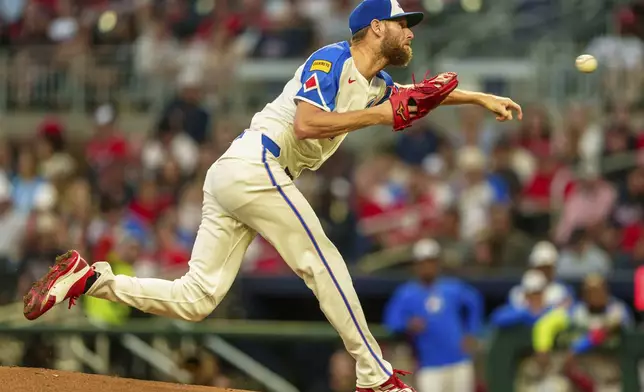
[271, 147]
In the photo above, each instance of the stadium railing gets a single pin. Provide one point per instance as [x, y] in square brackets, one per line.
[38, 84]
[505, 348]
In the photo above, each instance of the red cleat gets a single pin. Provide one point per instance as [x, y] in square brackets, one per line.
[394, 384]
[65, 280]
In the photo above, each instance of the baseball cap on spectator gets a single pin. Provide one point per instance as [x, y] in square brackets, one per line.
[369, 10]
[543, 254]
[426, 249]
[104, 114]
[46, 222]
[63, 29]
[189, 76]
[533, 281]
[50, 127]
[434, 164]
[45, 197]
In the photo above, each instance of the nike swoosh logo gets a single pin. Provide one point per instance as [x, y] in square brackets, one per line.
[351, 80]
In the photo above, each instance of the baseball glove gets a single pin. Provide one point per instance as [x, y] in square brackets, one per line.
[424, 96]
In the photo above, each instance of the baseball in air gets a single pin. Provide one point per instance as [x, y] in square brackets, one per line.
[586, 63]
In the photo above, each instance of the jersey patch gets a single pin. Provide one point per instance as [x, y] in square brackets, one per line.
[311, 83]
[321, 65]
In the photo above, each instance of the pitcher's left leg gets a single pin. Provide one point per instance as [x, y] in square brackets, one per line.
[284, 217]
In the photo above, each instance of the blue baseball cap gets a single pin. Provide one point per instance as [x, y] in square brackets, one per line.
[369, 10]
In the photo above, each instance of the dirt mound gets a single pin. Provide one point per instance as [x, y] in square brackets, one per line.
[19, 379]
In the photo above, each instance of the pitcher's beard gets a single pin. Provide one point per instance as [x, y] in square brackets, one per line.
[396, 54]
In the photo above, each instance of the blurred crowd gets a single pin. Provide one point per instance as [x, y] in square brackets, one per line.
[161, 42]
[486, 192]
[573, 175]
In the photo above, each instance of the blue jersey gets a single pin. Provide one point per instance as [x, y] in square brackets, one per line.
[451, 310]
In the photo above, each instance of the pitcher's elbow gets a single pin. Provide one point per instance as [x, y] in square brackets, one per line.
[302, 131]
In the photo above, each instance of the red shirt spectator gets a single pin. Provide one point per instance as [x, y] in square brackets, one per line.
[551, 179]
[148, 205]
[108, 144]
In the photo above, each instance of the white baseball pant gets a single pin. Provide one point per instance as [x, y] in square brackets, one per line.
[452, 378]
[247, 192]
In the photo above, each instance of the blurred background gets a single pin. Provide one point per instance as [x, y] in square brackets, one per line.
[111, 111]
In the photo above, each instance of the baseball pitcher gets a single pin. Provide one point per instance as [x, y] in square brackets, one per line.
[340, 88]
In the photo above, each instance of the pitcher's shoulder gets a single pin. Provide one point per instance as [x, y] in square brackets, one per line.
[328, 57]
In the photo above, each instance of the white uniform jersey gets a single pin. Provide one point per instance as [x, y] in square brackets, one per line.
[329, 80]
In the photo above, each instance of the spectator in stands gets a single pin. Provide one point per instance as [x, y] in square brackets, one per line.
[629, 206]
[184, 113]
[417, 143]
[12, 11]
[44, 240]
[543, 258]
[590, 203]
[12, 232]
[505, 246]
[379, 192]
[543, 193]
[104, 227]
[30, 191]
[171, 143]
[456, 251]
[620, 143]
[76, 210]
[474, 132]
[189, 213]
[291, 33]
[55, 162]
[630, 261]
[501, 167]
[536, 131]
[429, 311]
[533, 287]
[476, 192]
[124, 254]
[170, 180]
[594, 319]
[582, 138]
[171, 251]
[108, 144]
[147, 204]
[582, 256]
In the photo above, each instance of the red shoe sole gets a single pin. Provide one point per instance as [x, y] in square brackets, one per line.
[38, 301]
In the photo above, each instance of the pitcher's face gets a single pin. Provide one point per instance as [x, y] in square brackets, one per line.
[396, 44]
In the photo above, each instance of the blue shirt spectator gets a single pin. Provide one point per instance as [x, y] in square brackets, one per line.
[431, 310]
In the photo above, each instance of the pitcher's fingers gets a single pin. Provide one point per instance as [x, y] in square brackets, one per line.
[516, 107]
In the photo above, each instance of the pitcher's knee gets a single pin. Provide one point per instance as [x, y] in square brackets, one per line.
[194, 304]
[196, 312]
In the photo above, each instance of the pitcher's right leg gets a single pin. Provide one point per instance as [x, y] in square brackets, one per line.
[216, 258]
